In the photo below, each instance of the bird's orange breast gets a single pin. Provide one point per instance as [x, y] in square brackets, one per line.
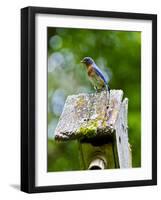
[90, 71]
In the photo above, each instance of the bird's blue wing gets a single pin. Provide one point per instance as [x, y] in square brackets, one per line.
[99, 73]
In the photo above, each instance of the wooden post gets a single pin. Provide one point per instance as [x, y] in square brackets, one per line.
[99, 122]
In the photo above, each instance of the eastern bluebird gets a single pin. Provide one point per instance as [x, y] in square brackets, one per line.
[95, 75]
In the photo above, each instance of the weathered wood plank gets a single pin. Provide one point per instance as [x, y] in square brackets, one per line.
[90, 153]
[122, 143]
[89, 115]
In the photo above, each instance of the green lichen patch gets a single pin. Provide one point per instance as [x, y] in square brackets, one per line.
[89, 130]
[104, 123]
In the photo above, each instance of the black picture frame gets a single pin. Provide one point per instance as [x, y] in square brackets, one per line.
[28, 98]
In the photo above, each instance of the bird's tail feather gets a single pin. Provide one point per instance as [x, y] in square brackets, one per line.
[108, 89]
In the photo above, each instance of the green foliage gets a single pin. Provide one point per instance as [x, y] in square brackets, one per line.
[118, 54]
[63, 156]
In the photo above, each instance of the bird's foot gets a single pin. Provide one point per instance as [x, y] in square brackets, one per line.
[96, 89]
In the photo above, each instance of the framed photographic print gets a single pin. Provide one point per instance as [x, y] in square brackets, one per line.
[88, 99]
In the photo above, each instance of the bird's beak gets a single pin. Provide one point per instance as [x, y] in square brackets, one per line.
[82, 61]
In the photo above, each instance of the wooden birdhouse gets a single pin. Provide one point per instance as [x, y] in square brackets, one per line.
[99, 123]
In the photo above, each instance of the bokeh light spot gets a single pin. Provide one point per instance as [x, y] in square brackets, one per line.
[58, 100]
[55, 42]
[55, 60]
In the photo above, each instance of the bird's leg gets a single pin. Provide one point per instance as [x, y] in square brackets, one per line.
[96, 89]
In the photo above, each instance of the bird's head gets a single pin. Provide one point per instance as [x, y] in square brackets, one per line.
[87, 61]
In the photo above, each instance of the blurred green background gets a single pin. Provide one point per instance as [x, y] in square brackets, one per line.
[118, 54]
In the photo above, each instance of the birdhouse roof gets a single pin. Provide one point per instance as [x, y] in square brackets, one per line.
[88, 117]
